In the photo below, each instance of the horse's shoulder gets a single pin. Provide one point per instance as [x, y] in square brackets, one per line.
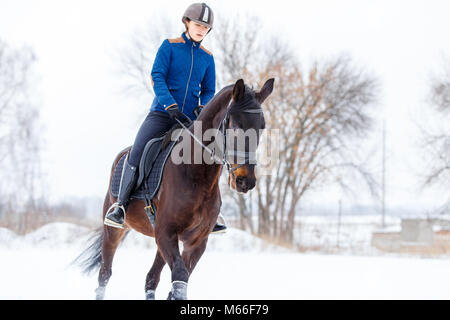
[206, 50]
[177, 40]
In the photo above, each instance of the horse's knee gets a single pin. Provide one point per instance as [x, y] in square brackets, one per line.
[168, 247]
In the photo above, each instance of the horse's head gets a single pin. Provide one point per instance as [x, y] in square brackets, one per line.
[245, 122]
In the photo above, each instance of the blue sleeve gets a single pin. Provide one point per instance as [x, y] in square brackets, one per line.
[208, 85]
[159, 74]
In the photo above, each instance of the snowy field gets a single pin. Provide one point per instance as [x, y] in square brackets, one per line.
[235, 266]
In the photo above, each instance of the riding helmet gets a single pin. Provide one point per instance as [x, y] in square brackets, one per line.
[201, 13]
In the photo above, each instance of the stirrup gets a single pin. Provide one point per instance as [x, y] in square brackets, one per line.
[110, 222]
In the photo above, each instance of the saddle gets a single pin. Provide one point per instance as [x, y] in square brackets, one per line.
[150, 172]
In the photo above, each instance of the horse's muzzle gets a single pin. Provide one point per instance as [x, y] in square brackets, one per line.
[244, 184]
[243, 179]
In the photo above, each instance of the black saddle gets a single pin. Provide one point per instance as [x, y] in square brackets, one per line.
[150, 170]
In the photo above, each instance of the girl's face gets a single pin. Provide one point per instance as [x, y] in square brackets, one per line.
[196, 30]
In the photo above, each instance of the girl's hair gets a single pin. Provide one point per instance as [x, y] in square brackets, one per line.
[185, 25]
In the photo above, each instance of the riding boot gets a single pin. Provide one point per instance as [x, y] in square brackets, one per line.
[219, 228]
[116, 217]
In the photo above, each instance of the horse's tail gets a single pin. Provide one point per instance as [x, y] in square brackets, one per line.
[91, 258]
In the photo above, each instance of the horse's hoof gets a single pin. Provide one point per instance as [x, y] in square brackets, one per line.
[100, 293]
[179, 291]
[150, 295]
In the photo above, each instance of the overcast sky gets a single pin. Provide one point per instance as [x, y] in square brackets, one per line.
[87, 120]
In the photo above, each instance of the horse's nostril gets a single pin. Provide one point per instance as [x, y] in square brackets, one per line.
[241, 182]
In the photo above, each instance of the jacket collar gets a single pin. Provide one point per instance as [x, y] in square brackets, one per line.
[189, 41]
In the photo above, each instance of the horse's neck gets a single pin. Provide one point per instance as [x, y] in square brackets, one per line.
[211, 118]
[215, 111]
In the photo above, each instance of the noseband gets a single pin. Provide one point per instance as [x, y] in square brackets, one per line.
[247, 156]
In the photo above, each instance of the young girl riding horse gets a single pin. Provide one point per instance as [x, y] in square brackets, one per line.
[183, 78]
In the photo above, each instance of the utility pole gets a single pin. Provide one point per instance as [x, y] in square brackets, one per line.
[383, 178]
[339, 222]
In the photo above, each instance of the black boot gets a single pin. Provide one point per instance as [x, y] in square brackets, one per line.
[116, 217]
[220, 228]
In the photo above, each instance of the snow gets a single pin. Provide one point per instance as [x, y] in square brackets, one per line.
[235, 265]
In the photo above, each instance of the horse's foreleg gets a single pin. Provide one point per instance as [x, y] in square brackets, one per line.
[111, 240]
[153, 276]
[168, 246]
[191, 256]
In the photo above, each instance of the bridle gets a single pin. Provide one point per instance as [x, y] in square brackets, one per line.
[224, 125]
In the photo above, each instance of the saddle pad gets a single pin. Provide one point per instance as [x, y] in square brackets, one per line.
[117, 175]
[152, 180]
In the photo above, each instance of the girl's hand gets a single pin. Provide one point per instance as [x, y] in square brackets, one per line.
[175, 112]
[197, 110]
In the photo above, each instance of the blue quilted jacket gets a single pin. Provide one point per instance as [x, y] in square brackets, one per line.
[184, 74]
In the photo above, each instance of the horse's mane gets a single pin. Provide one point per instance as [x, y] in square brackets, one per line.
[216, 104]
[219, 100]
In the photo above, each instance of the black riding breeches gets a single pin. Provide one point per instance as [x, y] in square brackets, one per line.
[155, 125]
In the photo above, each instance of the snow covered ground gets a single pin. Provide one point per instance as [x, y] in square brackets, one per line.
[235, 266]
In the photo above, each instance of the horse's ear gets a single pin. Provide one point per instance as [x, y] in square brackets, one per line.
[238, 90]
[265, 91]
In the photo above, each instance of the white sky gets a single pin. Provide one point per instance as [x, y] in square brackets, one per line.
[88, 121]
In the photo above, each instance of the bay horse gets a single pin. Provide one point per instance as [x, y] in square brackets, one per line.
[188, 201]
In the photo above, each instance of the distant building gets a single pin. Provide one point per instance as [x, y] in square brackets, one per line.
[417, 236]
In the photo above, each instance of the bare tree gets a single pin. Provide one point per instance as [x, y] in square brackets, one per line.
[19, 130]
[321, 114]
[436, 138]
[136, 58]
[236, 48]
[440, 90]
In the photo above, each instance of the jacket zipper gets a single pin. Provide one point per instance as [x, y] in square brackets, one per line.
[190, 74]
